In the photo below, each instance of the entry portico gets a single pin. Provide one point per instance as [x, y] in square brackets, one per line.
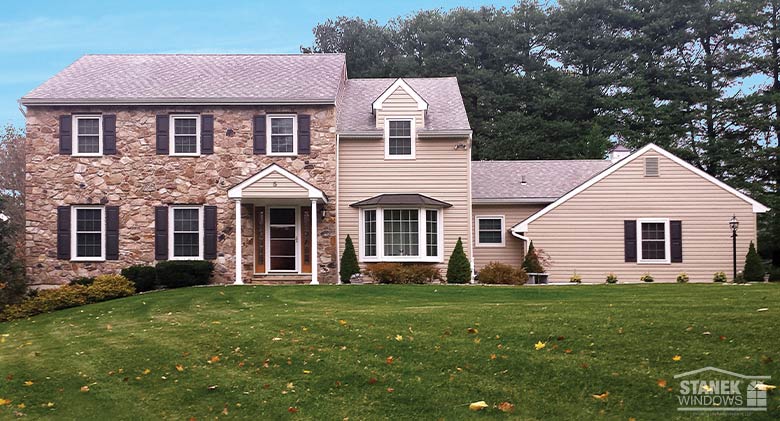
[285, 217]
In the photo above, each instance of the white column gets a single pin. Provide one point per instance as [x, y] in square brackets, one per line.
[239, 279]
[314, 267]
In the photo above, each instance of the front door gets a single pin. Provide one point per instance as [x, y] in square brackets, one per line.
[283, 240]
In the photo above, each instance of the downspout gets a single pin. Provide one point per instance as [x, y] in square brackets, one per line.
[470, 210]
[525, 239]
[338, 220]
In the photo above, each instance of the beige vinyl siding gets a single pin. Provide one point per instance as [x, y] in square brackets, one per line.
[512, 251]
[439, 171]
[400, 104]
[285, 188]
[585, 233]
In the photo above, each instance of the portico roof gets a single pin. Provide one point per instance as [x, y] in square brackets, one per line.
[275, 182]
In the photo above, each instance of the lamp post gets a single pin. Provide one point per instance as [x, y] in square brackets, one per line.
[734, 224]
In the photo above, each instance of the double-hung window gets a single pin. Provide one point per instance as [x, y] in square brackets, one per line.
[399, 139]
[490, 231]
[401, 235]
[88, 135]
[88, 236]
[185, 135]
[186, 237]
[653, 245]
[282, 135]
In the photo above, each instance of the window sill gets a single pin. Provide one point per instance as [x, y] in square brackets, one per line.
[87, 155]
[654, 262]
[399, 158]
[427, 259]
[282, 154]
[490, 245]
[88, 259]
[185, 154]
[185, 258]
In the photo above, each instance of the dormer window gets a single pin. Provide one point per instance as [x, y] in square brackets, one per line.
[186, 135]
[399, 139]
[88, 139]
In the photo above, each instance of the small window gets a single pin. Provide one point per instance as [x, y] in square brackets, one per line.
[653, 241]
[186, 232]
[88, 139]
[369, 233]
[432, 233]
[282, 138]
[88, 233]
[490, 231]
[651, 166]
[402, 233]
[399, 139]
[185, 136]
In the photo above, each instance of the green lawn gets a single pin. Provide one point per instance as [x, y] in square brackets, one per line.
[302, 352]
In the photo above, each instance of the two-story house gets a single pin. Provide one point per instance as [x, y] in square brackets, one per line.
[264, 164]
[261, 163]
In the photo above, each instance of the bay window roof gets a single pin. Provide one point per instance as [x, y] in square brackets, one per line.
[401, 199]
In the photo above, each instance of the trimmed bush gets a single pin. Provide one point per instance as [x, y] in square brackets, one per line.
[349, 262]
[754, 267]
[575, 278]
[612, 278]
[647, 278]
[397, 273]
[531, 263]
[740, 279]
[458, 268]
[144, 277]
[719, 277]
[385, 273]
[683, 278]
[774, 274]
[500, 273]
[83, 281]
[105, 287]
[184, 273]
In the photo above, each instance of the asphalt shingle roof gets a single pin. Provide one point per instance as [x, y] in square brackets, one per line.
[545, 179]
[159, 77]
[445, 105]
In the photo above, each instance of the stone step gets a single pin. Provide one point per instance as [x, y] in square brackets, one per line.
[295, 279]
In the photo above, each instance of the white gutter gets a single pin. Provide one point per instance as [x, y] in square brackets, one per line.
[170, 101]
[525, 239]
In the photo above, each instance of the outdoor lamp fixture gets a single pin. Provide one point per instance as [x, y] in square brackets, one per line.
[734, 224]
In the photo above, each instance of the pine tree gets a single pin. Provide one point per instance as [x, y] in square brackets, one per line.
[531, 261]
[458, 268]
[349, 262]
[13, 286]
[754, 267]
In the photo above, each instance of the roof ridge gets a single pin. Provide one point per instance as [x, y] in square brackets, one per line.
[211, 54]
[540, 160]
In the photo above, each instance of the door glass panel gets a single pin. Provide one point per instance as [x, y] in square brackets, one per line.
[282, 232]
[282, 263]
[282, 239]
[282, 216]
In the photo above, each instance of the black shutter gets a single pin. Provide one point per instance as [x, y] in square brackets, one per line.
[162, 134]
[207, 134]
[161, 233]
[629, 240]
[258, 122]
[209, 232]
[304, 134]
[675, 235]
[66, 137]
[112, 232]
[109, 134]
[63, 232]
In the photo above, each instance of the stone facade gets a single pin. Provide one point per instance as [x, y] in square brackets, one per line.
[137, 179]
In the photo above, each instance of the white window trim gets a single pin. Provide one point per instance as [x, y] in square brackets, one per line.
[268, 149]
[667, 242]
[75, 134]
[172, 134]
[74, 234]
[503, 231]
[413, 134]
[171, 232]
[422, 238]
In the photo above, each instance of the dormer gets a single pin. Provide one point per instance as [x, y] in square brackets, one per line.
[400, 101]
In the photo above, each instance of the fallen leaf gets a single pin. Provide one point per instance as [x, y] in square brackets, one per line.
[9, 377]
[84, 389]
[214, 359]
[108, 327]
[390, 359]
[473, 330]
[28, 383]
[147, 371]
[399, 338]
[179, 367]
[290, 385]
[567, 351]
[390, 390]
[276, 339]
[212, 387]
[4, 401]
[492, 356]
[762, 309]
[372, 380]
[539, 345]
[342, 322]
[764, 387]
[706, 388]
[722, 338]
[560, 338]
[506, 407]
[601, 397]
[478, 406]
[306, 371]
[225, 411]
[677, 358]
[21, 406]
[661, 383]
[292, 410]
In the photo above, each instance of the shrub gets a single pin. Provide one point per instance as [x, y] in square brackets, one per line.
[83, 280]
[683, 278]
[575, 278]
[184, 273]
[349, 262]
[13, 284]
[740, 279]
[647, 278]
[104, 288]
[420, 273]
[500, 273]
[144, 277]
[612, 278]
[531, 262]
[385, 273]
[397, 273]
[774, 274]
[719, 277]
[458, 268]
[754, 267]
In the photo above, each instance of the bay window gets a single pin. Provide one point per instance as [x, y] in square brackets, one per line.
[401, 235]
